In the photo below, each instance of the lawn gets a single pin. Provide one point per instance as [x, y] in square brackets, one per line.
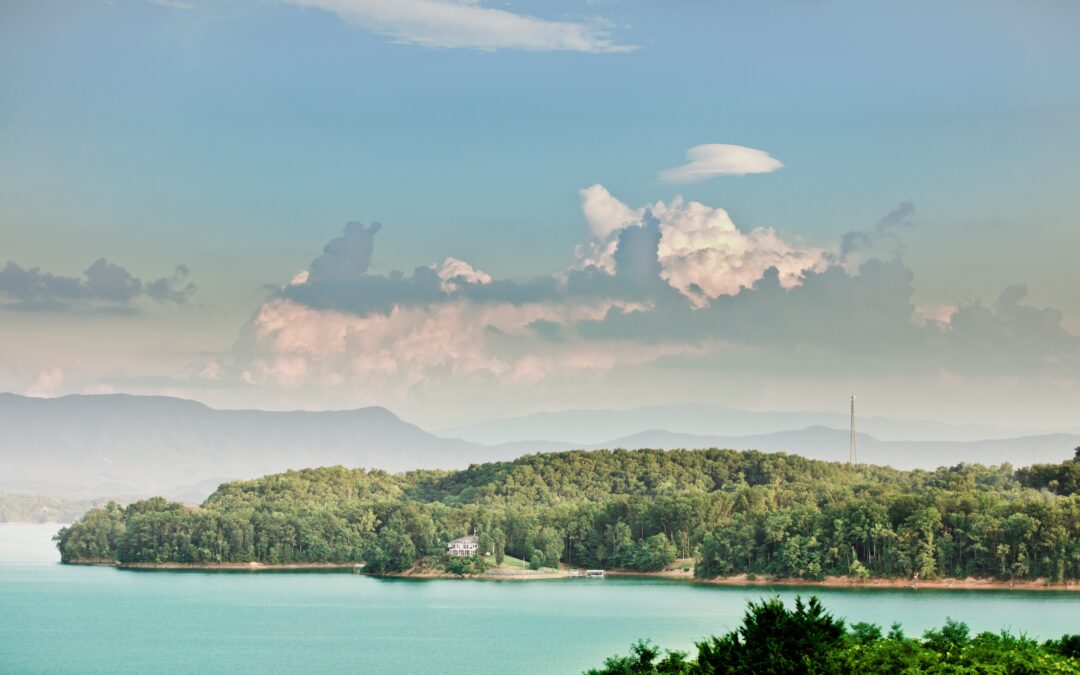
[508, 561]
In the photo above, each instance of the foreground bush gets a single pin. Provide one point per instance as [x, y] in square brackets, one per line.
[780, 641]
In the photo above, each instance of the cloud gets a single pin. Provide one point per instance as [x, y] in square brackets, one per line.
[454, 272]
[701, 253]
[291, 345]
[48, 383]
[901, 217]
[348, 257]
[667, 282]
[104, 286]
[176, 289]
[605, 214]
[704, 255]
[449, 24]
[111, 283]
[1010, 336]
[719, 159]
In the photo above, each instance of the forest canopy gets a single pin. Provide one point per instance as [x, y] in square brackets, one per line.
[733, 512]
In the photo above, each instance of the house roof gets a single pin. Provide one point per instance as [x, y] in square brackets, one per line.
[471, 539]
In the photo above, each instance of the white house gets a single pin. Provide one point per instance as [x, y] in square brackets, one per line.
[463, 546]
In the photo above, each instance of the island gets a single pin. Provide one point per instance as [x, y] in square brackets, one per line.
[713, 515]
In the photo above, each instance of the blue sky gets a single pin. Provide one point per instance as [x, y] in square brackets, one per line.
[237, 138]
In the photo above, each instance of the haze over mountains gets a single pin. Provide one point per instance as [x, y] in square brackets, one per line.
[598, 426]
[127, 446]
[134, 445]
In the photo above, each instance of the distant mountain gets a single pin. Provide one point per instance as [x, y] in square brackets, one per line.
[597, 426]
[130, 446]
[119, 445]
[832, 445]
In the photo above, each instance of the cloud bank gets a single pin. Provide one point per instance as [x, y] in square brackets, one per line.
[672, 282]
[719, 159]
[104, 286]
[450, 24]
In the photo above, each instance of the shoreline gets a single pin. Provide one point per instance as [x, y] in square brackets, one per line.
[514, 574]
[208, 567]
[967, 584]
[503, 574]
[495, 574]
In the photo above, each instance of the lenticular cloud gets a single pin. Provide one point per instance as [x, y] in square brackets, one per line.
[720, 159]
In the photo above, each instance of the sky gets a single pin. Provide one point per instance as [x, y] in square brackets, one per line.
[462, 209]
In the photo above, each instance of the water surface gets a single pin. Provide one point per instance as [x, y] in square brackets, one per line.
[70, 619]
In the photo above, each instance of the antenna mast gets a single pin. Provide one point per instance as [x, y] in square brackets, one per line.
[851, 451]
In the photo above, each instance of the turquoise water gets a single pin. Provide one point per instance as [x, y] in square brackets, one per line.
[63, 619]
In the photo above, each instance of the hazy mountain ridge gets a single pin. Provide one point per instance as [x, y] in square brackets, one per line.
[131, 446]
[598, 426]
[832, 445]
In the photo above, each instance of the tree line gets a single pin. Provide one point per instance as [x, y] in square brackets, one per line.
[732, 512]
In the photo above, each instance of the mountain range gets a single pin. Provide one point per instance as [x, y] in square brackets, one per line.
[127, 446]
[599, 426]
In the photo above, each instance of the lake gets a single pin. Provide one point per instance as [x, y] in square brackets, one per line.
[70, 619]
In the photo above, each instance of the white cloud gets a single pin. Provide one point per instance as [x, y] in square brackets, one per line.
[604, 213]
[719, 159]
[448, 24]
[702, 253]
[454, 271]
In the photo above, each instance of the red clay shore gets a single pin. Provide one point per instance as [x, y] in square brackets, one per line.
[968, 584]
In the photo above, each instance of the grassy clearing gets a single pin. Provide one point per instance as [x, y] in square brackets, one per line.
[508, 561]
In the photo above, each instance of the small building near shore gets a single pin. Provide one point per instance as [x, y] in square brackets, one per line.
[463, 546]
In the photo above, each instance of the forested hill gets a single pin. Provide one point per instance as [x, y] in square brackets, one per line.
[735, 512]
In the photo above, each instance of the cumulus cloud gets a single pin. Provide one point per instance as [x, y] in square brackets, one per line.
[104, 286]
[289, 344]
[676, 280]
[604, 214]
[720, 159]
[454, 272]
[704, 255]
[449, 24]
[701, 252]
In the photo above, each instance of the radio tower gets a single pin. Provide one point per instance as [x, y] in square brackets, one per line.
[852, 460]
